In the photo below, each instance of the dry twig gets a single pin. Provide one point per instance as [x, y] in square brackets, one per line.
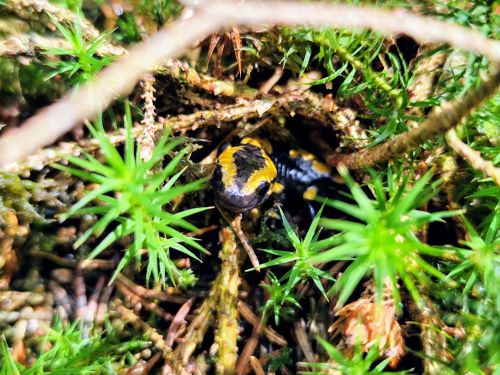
[147, 137]
[440, 120]
[118, 78]
[473, 157]
[227, 311]
[129, 317]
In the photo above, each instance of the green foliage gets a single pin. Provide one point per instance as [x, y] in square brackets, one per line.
[383, 241]
[481, 195]
[78, 61]
[8, 365]
[281, 302]
[15, 194]
[127, 30]
[359, 364]
[482, 260]
[71, 353]
[160, 10]
[358, 63]
[480, 14]
[145, 17]
[283, 359]
[132, 199]
[478, 313]
[302, 269]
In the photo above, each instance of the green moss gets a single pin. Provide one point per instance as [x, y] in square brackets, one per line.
[15, 195]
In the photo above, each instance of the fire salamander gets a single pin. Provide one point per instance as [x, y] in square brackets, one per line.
[247, 174]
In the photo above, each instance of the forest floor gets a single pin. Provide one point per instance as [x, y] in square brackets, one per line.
[128, 135]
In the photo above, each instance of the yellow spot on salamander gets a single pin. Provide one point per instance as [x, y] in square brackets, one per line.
[277, 188]
[259, 142]
[320, 167]
[229, 170]
[294, 154]
[310, 193]
[267, 174]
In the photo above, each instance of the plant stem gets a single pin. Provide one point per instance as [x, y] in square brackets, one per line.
[119, 77]
[473, 157]
[440, 120]
[227, 310]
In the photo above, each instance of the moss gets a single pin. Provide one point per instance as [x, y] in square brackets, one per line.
[15, 195]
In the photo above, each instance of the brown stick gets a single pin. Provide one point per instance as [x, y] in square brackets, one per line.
[441, 120]
[85, 101]
[473, 157]
[119, 78]
[227, 332]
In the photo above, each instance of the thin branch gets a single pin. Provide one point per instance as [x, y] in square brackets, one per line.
[440, 120]
[473, 157]
[120, 77]
[147, 138]
[388, 21]
[31, 43]
[129, 316]
[247, 314]
[227, 332]
[232, 112]
[306, 104]
[85, 101]
[184, 73]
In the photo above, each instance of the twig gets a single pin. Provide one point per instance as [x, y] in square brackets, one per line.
[93, 302]
[434, 343]
[440, 120]
[256, 366]
[102, 307]
[229, 113]
[227, 311]
[61, 300]
[167, 295]
[119, 78]
[13, 300]
[147, 137]
[137, 299]
[31, 43]
[129, 316]
[182, 72]
[11, 317]
[303, 340]
[80, 294]
[425, 71]
[242, 367]
[473, 157]
[195, 332]
[223, 296]
[234, 221]
[85, 264]
[247, 314]
[273, 80]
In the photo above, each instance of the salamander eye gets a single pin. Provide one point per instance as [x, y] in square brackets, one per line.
[263, 188]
